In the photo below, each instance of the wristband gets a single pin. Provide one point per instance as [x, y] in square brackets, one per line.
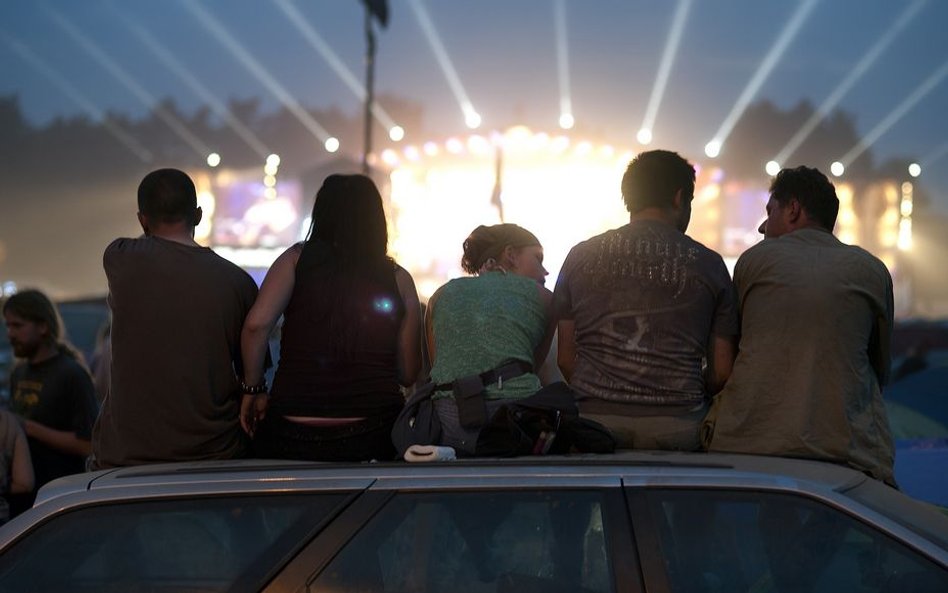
[254, 389]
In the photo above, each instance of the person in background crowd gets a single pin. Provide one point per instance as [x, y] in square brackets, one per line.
[350, 336]
[498, 320]
[647, 316]
[51, 390]
[816, 325]
[177, 311]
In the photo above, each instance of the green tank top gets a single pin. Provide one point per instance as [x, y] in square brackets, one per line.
[480, 322]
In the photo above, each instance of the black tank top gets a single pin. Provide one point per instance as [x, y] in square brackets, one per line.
[338, 353]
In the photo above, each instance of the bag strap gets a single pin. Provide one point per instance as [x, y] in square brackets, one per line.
[504, 372]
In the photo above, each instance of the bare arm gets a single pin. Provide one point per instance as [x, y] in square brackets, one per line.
[566, 347]
[721, 359]
[409, 334]
[61, 440]
[543, 348]
[21, 471]
[270, 303]
[429, 327]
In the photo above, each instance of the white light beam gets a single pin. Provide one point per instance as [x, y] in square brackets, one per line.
[57, 79]
[172, 121]
[172, 63]
[260, 73]
[316, 41]
[765, 68]
[896, 114]
[854, 75]
[471, 117]
[562, 63]
[664, 69]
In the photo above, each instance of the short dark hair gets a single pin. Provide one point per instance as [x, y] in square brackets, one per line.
[168, 196]
[653, 178]
[812, 189]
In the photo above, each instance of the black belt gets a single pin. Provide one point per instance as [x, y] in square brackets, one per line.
[497, 375]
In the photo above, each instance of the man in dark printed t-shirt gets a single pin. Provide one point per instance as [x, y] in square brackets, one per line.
[647, 316]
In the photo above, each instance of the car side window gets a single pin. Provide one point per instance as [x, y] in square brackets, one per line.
[771, 542]
[456, 542]
[195, 544]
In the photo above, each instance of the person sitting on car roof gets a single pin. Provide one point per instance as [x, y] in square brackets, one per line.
[351, 335]
[816, 323]
[177, 310]
[499, 320]
[647, 316]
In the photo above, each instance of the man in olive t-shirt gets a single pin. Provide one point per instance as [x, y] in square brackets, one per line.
[177, 312]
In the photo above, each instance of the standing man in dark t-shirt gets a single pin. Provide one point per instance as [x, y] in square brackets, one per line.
[51, 391]
[647, 316]
[177, 312]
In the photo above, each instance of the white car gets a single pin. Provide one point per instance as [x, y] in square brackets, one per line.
[628, 522]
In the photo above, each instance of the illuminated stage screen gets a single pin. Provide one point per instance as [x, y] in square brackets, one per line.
[245, 216]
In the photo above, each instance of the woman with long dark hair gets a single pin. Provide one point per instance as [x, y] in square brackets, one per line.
[350, 336]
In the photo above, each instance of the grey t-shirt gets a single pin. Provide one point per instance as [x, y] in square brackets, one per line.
[177, 313]
[646, 301]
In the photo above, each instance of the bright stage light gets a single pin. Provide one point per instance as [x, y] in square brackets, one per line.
[472, 119]
[837, 168]
[567, 121]
[772, 168]
[396, 133]
[270, 169]
[915, 169]
[270, 181]
[274, 160]
[644, 136]
[332, 144]
[213, 159]
[712, 149]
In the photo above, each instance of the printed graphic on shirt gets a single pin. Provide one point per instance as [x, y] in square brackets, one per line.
[647, 260]
[26, 397]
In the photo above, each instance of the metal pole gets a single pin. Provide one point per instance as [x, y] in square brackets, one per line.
[369, 89]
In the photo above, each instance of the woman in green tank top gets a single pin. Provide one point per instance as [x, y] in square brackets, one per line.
[500, 314]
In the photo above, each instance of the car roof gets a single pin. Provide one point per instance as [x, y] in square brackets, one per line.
[643, 463]
[835, 484]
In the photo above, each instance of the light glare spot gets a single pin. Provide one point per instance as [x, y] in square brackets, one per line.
[837, 168]
[915, 169]
[213, 159]
[712, 149]
[396, 133]
[383, 305]
[274, 160]
[567, 121]
[644, 136]
[772, 168]
[472, 119]
[332, 144]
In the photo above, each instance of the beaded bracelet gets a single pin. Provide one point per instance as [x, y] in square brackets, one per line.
[254, 389]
